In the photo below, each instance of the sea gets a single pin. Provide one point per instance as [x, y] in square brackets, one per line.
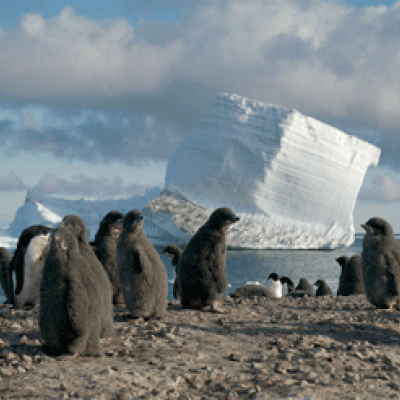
[254, 266]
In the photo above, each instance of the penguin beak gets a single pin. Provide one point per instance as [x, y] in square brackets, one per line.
[368, 229]
[138, 219]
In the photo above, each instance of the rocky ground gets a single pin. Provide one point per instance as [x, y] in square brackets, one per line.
[313, 348]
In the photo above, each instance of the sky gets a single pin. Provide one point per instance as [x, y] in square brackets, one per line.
[94, 99]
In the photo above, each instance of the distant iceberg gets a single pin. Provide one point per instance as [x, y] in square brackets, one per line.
[49, 210]
[293, 179]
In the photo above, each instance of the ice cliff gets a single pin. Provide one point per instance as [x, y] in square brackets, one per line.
[293, 179]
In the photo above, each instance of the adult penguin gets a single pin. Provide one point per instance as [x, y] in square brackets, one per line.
[18, 259]
[380, 264]
[276, 287]
[201, 270]
[142, 274]
[78, 228]
[35, 257]
[5, 258]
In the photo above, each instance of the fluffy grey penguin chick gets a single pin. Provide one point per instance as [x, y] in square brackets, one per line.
[305, 286]
[322, 288]
[105, 248]
[350, 281]
[175, 252]
[201, 270]
[142, 274]
[70, 299]
[74, 224]
[380, 264]
[251, 290]
[5, 258]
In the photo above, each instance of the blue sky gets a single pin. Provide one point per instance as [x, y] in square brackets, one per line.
[94, 99]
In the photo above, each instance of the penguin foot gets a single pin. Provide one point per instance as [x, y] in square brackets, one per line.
[215, 308]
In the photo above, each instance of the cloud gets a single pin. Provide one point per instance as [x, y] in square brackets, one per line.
[383, 188]
[84, 186]
[152, 83]
[93, 137]
[11, 183]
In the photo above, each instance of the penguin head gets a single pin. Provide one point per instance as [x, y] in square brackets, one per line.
[111, 221]
[342, 260]
[319, 283]
[63, 240]
[289, 283]
[76, 226]
[222, 218]
[378, 227]
[172, 250]
[274, 276]
[133, 221]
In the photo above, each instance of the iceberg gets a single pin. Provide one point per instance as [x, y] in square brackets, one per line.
[49, 210]
[293, 180]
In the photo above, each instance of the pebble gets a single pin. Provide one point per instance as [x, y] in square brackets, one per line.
[5, 372]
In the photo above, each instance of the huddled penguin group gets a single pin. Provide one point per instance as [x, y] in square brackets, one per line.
[76, 283]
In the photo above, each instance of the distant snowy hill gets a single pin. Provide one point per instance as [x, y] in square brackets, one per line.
[48, 210]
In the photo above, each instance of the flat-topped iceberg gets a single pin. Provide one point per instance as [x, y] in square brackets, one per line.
[292, 179]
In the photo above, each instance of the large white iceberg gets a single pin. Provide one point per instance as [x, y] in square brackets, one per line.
[293, 179]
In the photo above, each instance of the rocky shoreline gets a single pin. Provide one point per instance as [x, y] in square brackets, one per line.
[305, 348]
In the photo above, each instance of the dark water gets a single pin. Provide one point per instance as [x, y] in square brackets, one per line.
[245, 266]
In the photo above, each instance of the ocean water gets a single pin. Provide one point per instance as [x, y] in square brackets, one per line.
[248, 266]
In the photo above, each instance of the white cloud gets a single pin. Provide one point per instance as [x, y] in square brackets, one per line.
[33, 24]
[328, 60]
[384, 188]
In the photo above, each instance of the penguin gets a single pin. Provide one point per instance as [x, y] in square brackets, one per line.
[35, 257]
[77, 227]
[291, 291]
[350, 281]
[105, 248]
[70, 312]
[380, 264]
[142, 274]
[305, 286]
[252, 290]
[322, 288]
[17, 261]
[5, 259]
[175, 252]
[276, 286]
[201, 269]
[289, 283]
